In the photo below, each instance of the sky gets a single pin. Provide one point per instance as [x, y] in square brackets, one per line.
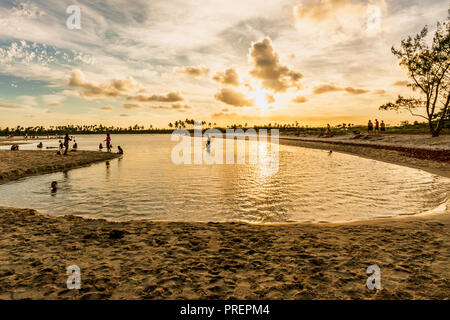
[151, 62]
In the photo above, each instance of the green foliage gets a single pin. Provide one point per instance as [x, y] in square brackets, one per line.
[429, 70]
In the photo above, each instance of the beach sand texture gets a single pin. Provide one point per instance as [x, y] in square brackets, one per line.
[173, 260]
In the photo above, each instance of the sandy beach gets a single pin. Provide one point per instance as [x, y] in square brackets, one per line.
[179, 260]
[18, 164]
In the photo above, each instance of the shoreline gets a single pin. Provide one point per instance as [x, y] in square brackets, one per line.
[15, 165]
[379, 152]
[143, 259]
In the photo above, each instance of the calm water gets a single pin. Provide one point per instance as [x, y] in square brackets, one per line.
[310, 185]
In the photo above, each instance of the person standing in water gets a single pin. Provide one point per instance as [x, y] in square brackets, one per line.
[108, 142]
[66, 143]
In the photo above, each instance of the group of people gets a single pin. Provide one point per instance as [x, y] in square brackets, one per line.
[378, 128]
[109, 145]
[65, 145]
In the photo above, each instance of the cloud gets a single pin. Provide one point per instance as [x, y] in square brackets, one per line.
[380, 92]
[28, 100]
[175, 106]
[341, 18]
[270, 98]
[324, 88]
[53, 100]
[267, 67]
[300, 99]
[28, 10]
[355, 91]
[228, 77]
[5, 105]
[170, 97]
[400, 83]
[131, 106]
[107, 108]
[71, 93]
[234, 98]
[112, 88]
[194, 72]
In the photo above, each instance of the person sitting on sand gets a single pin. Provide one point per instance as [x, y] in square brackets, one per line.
[75, 146]
[370, 127]
[54, 186]
[40, 145]
[15, 147]
[100, 147]
[120, 150]
[108, 142]
[383, 127]
[66, 143]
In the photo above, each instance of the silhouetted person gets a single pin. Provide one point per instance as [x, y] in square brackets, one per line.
[370, 127]
[120, 150]
[100, 147]
[66, 143]
[40, 145]
[108, 142]
[383, 127]
[377, 126]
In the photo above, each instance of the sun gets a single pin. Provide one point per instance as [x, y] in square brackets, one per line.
[261, 98]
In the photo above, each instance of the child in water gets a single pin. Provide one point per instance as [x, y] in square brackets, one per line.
[54, 186]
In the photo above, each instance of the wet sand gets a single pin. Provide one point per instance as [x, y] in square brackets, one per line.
[177, 260]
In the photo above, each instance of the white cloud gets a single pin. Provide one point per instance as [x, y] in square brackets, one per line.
[53, 100]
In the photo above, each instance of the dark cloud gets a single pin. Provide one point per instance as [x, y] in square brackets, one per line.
[234, 98]
[267, 68]
[227, 77]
